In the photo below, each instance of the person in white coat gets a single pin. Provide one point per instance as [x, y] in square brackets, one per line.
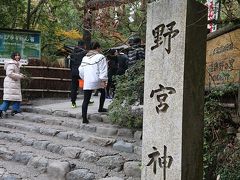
[93, 70]
[12, 85]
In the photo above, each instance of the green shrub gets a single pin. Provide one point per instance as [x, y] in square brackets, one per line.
[129, 92]
[25, 83]
[219, 146]
[229, 163]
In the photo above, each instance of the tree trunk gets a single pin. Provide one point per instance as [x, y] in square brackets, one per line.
[238, 105]
[28, 15]
[87, 25]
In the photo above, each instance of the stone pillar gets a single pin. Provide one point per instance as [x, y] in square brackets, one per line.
[174, 90]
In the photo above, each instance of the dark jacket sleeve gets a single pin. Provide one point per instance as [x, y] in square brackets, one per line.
[76, 59]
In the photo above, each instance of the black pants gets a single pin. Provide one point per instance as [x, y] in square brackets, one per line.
[87, 97]
[74, 88]
[110, 88]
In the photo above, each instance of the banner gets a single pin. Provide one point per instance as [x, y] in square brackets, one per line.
[28, 43]
[213, 13]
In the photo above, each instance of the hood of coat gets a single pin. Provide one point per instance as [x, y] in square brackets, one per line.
[92, 53]
[7, 63]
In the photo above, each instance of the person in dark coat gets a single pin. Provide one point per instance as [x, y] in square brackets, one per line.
[136, 52]
[75, 61]
[122, 63]
[112, 71]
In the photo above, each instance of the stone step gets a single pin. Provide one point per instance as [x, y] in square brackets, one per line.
[68, 133]
[68, 148]
[98, 150]
[10, 170]
[108, 128]
[62, 113]
[57, 165]
[99, 127]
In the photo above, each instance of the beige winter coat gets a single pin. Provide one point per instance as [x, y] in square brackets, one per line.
[12, 85]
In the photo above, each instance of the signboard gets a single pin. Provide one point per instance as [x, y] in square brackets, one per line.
[223, 59]
[28, 43]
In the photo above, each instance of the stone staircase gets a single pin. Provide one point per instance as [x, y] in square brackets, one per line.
[54, 145]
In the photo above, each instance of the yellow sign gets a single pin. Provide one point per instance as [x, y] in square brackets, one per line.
[223, 59]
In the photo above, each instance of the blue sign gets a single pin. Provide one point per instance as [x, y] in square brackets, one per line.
[28, 43]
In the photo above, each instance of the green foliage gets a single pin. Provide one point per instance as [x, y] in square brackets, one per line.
[229, 12]
[229, 163]
[25, 83]
[46, 16]
[12, 13]
[219, 146]
[52, 16]
[109, 36]
[61, 15]
[129, 92]
[121, 114]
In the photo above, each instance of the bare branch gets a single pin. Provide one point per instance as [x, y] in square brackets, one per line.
[77, 5]
[36, 8]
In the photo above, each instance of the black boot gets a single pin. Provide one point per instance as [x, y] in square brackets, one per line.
[102, 110]
[13, 112]
[85, 121]
[1, 114]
